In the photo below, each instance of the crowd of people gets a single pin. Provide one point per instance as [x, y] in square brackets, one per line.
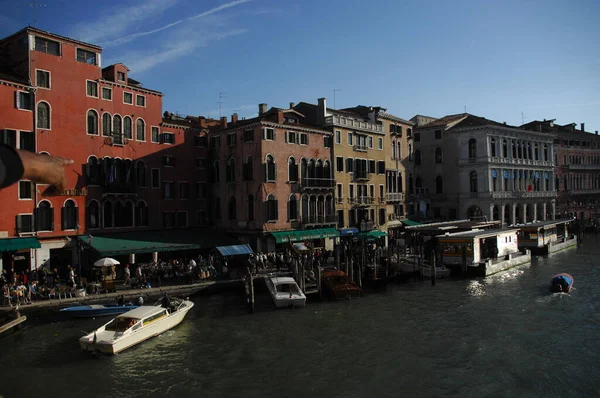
[23, 287]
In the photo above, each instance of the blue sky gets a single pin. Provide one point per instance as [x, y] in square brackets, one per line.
[500, 59]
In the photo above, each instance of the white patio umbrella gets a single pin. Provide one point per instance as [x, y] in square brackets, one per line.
[106, 261]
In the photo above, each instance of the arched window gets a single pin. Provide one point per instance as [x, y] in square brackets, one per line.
[398, 150]
[130, 175]
[127, 128]
[128, 214]
[399, 182]
[93, 171]
[473, 181]
[141, 214]
[270, 169]
[439, 184]
[394, 156]
[303, 168]
[230, 171]
[43, 116]
[69, 216]
[305, 210]
[472, 148]
[117, 127]
[140, 130]
[504, 148]
[93, 215]
[327, 170]
[546, 152]
[216, 171]
[92, 122]
[410, 155]
[118, 172]
[417, 157]
[107, 215]
[231, 209]
[217, 208]
[514, 149]
[319, 169]
[493, 147]
[292, 170]
[271, 208]
[250, 208]
[248, 169]
[119, 216]
[529, 151]
[438, 155]
[536, 151]
[44, 216]
[292, 208]
[106, 124]
[311, 169]
[140, 173]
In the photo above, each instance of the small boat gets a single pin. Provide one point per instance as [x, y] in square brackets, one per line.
[135, 326]
[337, 284]
[285, 292]
[440, 271]
[97, 310]
[562, 283]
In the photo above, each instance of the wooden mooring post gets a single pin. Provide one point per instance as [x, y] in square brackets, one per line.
[433, 267]
[249, 286]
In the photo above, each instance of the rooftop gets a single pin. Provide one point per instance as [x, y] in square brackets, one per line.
[142, 312]
[477, 233]
[31, 29]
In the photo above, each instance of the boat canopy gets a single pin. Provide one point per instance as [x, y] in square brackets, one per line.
[234, 250]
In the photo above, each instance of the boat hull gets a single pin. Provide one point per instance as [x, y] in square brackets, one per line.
[562, 283]
[133, 338]
[285, 299]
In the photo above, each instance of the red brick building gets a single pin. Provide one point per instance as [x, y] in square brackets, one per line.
[271, 173]
[131, 168]
[577, 159]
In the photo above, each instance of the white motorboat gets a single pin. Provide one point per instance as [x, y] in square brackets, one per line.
[440, 271]
[135, 326]
[285, 292]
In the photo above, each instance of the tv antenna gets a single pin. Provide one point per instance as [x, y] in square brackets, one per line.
[220, 102]
[34, 4]
[334, 91]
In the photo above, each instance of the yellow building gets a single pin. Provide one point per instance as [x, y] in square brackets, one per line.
[359, 155]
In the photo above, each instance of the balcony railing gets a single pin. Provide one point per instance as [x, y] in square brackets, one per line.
[339, 200]
[583, 166]
[343, 121]
[584, 191]
[360, 148]
[394, 196]
[317, 183]
[318, 220]
[364, 200]
[361, 175]
[421, 191]
[507, 161]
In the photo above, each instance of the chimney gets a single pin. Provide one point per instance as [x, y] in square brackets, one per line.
[234, 118]
[280, 116]
[292, 105]
[262, 109]
[321, 110]
[224, 122]
[596, 132]
[583, 127]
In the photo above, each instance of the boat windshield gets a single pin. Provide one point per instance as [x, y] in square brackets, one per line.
[287, 288]
[121, 324]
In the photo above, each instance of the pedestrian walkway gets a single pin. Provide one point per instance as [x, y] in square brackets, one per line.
[128, 294]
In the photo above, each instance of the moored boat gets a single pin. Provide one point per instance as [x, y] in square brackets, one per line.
[97, 310]
[135, 326]
[337, 284]
[562, 283]
[285, 292]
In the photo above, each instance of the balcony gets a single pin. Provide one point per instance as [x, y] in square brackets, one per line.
[360, 148]
[506, 161]
[421, 191]
[366, 226]
[339, 201]
[364, 200]
[361, 175]
[584, 191]
[583, 166]
[310, 221]
[115, 188]
[394, 196]
[317, 183]
[348, 122]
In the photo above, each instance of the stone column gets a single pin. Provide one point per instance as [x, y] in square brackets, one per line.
[132, 258]
[524, 212]
[514, 213]
[502, 213]
[544, 208]
[535, 205]
[491, 217]
[553, 211]
[155, 257]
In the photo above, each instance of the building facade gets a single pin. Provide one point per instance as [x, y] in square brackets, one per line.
[577, 176]
[470, 167]
[359, 165]
[130, 167]
[269, 174]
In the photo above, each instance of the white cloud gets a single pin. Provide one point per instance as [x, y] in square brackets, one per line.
[174, 49]
[116, 23]
[214, 10]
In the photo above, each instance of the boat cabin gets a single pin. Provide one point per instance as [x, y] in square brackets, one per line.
[545, 237]
[135, 319]
[472, 247]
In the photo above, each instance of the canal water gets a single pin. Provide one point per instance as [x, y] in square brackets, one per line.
[504, 336]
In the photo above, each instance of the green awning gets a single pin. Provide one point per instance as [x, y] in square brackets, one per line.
[14, 244]
[137, 242]
[410, 223]
[375, 234]
[305, 234]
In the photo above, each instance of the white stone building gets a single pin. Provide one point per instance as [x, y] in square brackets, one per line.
[468, 166]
